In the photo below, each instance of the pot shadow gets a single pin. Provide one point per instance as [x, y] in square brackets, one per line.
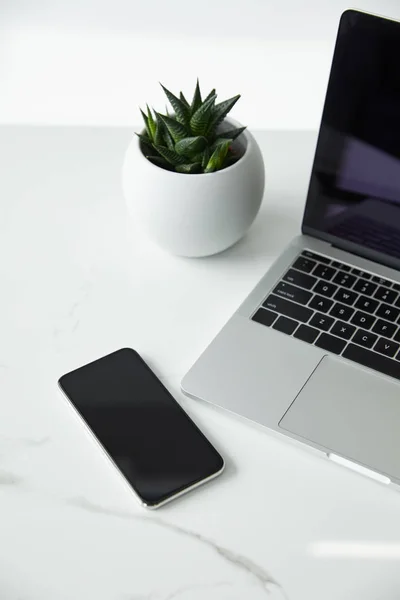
[270, 233]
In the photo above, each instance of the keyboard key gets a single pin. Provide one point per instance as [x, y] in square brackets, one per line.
[345, 279]
[324, 272]
[397, 336]
[343, 330]
[304, 264]
[389, 296]
[322, 321]
[330, 343]
[381, 281]
[264, 316]
[292, 293]
[360, 273]
[325, 288]
[388, 312]
[301, 279]
[306, 334]
[386, 347]
[396, 286]
[384, 328]
[362, 319]
[365, 287]
[365, 338]
[345, 296]
[341, 311]
[365, 275]
[285, 325]
[314, 256]
[289, 309]
[367, 304]
[397, 303]
[372, 360]
[320, 303]
[339, 265]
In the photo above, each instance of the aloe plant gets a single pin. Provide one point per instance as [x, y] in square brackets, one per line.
[190, 140]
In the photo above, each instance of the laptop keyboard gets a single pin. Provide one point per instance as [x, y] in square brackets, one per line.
[338, 308]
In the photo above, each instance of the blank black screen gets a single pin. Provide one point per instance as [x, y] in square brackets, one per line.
[354, 192]
[144, 430]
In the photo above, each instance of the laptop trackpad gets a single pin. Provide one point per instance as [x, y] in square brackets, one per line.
[352, 412]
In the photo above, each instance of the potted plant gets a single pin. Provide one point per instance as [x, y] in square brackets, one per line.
[194, 178]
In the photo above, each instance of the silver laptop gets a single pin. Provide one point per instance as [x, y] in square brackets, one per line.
[313, 353]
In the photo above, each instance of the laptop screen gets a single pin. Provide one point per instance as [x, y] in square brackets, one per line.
[354, 194]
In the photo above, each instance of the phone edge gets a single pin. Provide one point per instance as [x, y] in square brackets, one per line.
[188, 489]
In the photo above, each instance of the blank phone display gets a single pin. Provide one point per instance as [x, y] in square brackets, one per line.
[150, 438]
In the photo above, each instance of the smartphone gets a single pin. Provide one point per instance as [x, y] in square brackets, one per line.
[142, 428]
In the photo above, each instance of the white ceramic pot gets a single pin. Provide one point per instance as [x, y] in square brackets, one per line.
[195, 215]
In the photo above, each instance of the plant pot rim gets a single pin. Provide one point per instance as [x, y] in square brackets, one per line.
[246, 134]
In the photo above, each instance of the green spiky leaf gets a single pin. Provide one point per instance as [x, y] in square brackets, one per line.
[197, 101]
[189, 168]
[160, 131]
[177, 130]
[190, 140]
[206, 157]
[144, 138]
[232, 133]
[172, 157]
[199, 122]
[146, 123]
[183, 99]
[217, 158]
[212, 93]
[169, 141]
[191, 146]
[151, 123]
[220, 111]
[182, 113]
[159, 161]
[145, 142]
[197, 157]
[218, 141]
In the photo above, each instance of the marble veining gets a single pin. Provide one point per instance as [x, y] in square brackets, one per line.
[9, 479]
[259, 574]
[8, 444]
[36, 442]
[11, 447]
[71, 320]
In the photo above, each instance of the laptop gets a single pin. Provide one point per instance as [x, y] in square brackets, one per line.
[313, 353]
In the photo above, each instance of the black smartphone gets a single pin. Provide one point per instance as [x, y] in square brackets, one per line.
[142, 428]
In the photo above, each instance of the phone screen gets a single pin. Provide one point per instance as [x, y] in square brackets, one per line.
[147, 434]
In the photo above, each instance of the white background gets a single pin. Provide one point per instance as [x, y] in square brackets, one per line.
[95, 61]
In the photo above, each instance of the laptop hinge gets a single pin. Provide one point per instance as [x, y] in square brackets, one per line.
[376, 257]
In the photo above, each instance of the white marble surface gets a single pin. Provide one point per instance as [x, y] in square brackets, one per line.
[78, 281]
